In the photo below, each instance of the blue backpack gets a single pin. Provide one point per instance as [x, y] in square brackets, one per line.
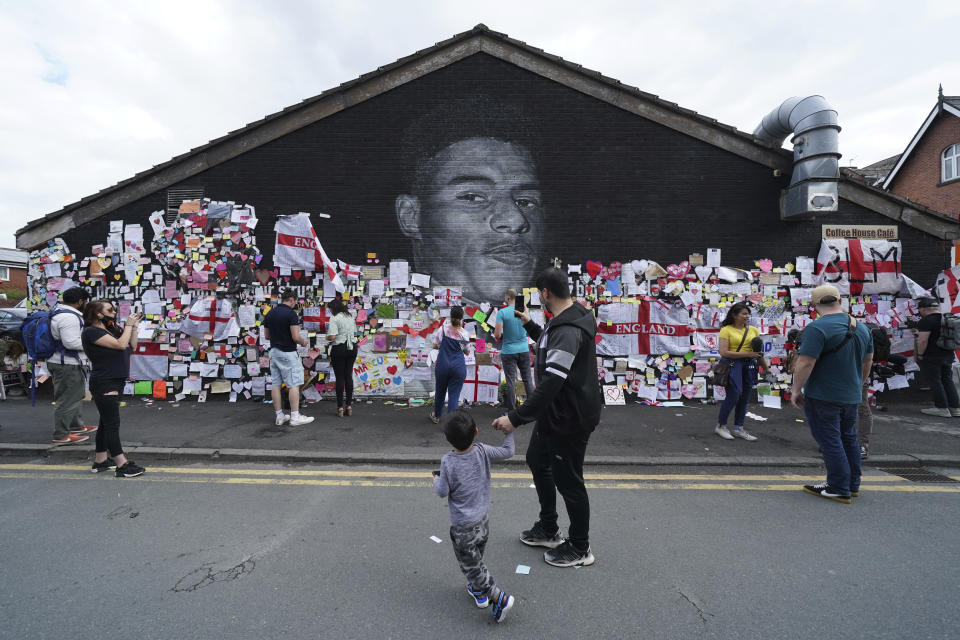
[40, 343]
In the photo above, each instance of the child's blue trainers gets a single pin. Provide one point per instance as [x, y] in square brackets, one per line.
[504, 603]
[482, 601]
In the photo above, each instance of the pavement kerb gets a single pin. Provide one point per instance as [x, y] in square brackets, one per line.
[287, 456]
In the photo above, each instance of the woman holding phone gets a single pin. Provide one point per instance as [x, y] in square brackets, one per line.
[108, 347]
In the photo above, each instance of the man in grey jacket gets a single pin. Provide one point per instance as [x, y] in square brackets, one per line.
[66, 368]
[566, 406]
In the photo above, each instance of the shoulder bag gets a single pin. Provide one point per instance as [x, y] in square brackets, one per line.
[721, 370]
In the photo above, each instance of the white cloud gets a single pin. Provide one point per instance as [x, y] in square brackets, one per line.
[93, 95]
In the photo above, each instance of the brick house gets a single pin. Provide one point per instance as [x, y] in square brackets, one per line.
[13, 275]
[622, 174]
[928, 171]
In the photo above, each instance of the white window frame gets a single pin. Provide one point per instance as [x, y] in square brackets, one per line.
[951, 153]
[5, 274]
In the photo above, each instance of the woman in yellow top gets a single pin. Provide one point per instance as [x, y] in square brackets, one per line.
[736, 335]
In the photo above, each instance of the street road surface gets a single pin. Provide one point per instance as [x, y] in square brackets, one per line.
[323, 552]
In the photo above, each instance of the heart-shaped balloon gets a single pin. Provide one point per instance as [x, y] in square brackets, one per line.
[679, 270]
[611, 271]
[104, 262]
[789, 267]
[594, 268]
[765, 265]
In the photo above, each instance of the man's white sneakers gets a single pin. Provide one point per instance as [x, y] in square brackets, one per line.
[299, 420]
[284, 419]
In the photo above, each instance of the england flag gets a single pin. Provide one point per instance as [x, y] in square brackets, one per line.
[650, 327]
[210, 316]
[297, 247]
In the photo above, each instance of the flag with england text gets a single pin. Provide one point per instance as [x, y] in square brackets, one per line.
[298, 247]
[857, 267]
[650, 327]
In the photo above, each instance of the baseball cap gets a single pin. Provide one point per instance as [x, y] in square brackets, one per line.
[925, 303]
[825, 294]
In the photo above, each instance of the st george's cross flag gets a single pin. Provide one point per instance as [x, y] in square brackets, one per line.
[297, 247]
[948, 290]
[149, 361]
[858, 267]
[210, 316]
[648, 327]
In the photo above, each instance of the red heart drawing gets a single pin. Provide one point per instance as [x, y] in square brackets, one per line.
[594, 268]
[275, 273]
[611, 271]
[679, 270]
[297, 275]
[392, 369]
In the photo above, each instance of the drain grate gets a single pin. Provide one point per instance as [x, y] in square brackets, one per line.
[916, 474]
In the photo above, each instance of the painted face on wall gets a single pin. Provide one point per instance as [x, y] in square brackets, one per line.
[479, 219]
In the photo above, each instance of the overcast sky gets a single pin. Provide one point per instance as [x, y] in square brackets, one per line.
[93, 92]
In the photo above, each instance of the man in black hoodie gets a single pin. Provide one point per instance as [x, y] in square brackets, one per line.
[566, 407]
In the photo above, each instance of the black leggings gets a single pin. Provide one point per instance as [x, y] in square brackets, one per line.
[342, 360]
[108, 435]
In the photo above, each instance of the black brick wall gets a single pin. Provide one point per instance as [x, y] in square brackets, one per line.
[615, 186]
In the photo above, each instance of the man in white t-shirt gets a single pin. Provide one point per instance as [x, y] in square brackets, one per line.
[66, 367]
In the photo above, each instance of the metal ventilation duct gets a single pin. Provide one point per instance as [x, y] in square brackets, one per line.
[816, 159]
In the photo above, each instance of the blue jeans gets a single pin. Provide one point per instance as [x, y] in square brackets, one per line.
[834, 427]
[738, 395]
[449, 378]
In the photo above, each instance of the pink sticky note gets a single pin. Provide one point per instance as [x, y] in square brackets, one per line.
[481, 346]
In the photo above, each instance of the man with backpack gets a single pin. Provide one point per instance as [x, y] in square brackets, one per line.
[935, 357]
[832, 364]
[66, 367]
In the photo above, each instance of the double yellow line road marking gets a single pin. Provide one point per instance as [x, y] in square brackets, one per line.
[378, 478]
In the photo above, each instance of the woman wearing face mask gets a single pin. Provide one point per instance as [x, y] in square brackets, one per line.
[108, 347]
[736, 336]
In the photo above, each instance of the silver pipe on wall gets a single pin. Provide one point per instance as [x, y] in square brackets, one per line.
[816, 156]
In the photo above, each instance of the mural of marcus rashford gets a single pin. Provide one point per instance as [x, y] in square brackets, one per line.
[473, 210]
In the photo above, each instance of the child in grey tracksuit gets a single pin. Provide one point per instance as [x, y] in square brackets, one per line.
[464, 479]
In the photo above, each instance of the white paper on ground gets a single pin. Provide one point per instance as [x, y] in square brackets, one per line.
[771, 402]
[897, 382]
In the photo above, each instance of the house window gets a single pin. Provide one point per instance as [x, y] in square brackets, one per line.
[950, 163]
[4, 273]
